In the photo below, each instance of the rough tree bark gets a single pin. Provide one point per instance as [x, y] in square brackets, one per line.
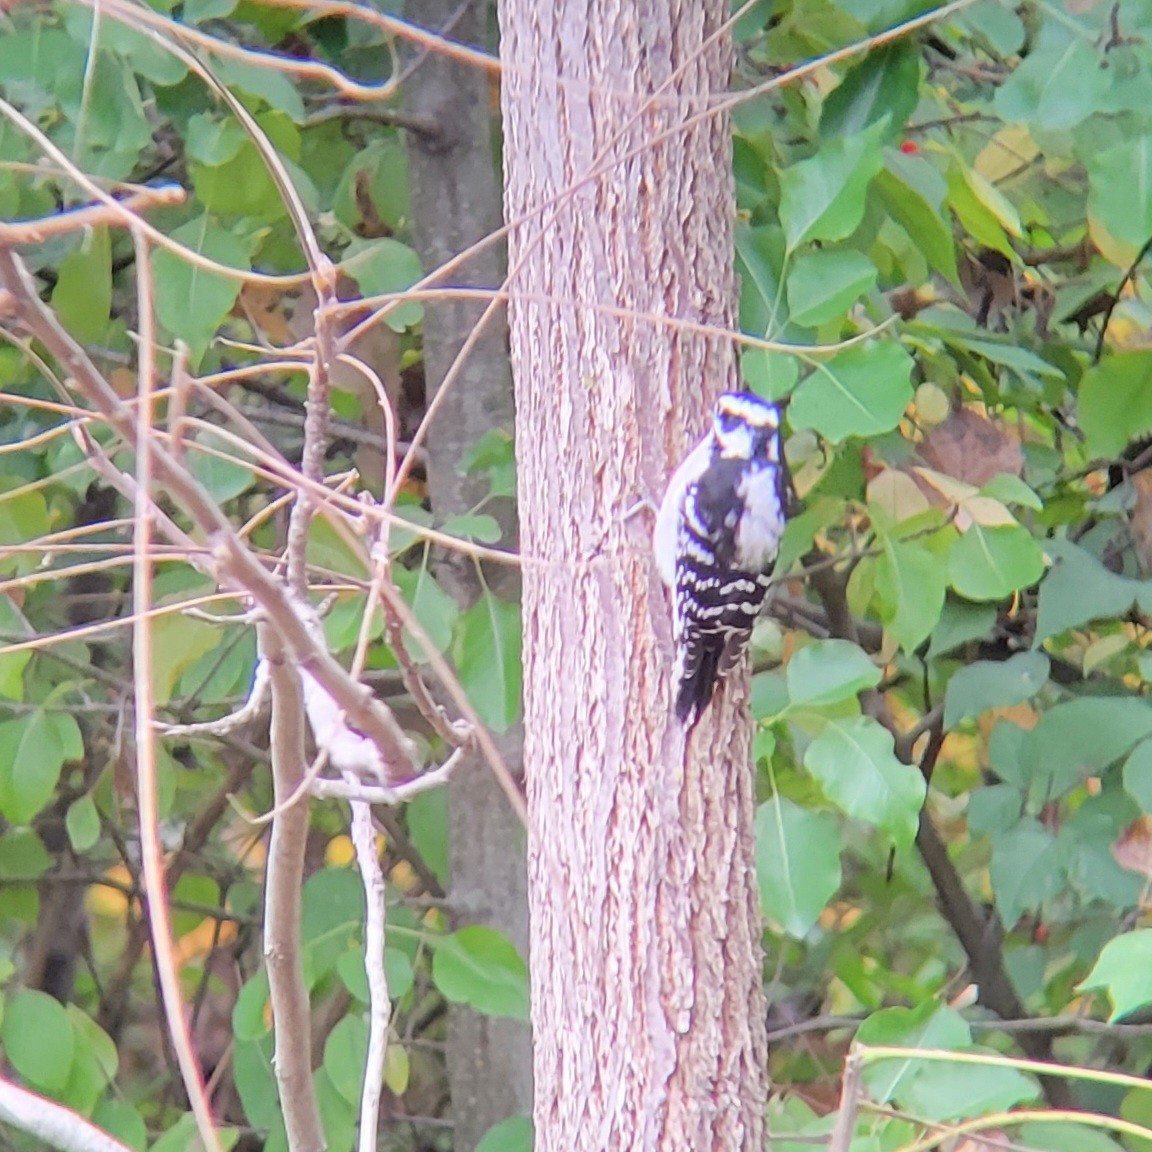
[648, 1010]
[455, 203]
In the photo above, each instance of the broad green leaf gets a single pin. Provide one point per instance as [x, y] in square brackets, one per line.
[344, 1054]
[994, 684]
[23, 518]
[1058, 84]
[854, 761]
[1027, 868]
[178, 641]
[912, 192]
[769, 374]
[882, 86]
[515, 1134]
[332, 919]
[436, 611]
[861, 391]
[828, 671]
[123, 1122]
[991, 563]
[386, 267]
[273, 87]
[1138, 775]
[928, 1025]
[994, 809]
[943, 1092]
[961, 622]
[488, 660]
[33, 749]
[759, 260]
[1116, 401]
[1089, 839]
[478, 527]
[1009, 489]
[256, 1081]
[822, 198]
[39, 1040]
[83, 824]
[1062, 1136]
[480, 967]
[212, 139]
[968, 198]
[251, 1017]
[910, 583]
[23, 855]
[192, 303]
[82, 298]
[219, 465]
[823, 285]
[1124, 970]
[1120, 192]
[1080, 738]
[1078, 589]
[397, 1069]
[797, 864]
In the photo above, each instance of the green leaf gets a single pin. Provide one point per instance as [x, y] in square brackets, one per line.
[344, 1053]
[1080, 738]
[828, 671]
[822, 198]
[213, 140]
[882, 86]
[33, 749]
[123, 1122]
[39, 1040]
[797, 864]
[943, 1092]
[190, 302]
[1120, 191]
[991, 563]
[23, 517]
[961, 622]
[478, 527]
[386, 267]
[976, 204]
[1027, 868]
[178, 642]
[219, 465]
[1116, 401]
[1062, 1136]
[82, 298]
[255, 1083]
[910, 583]
[928, 1025]
[480, 967]
[332, 919]
[823, 285]
[250, 1016]
[488, 660]
[515, 1134]
[861, 391]
[854, 761]
[994, 684]
[1124, 970]
[83, 824]
[1138, 775]
[436, 611]
[1078, 589]
[1058, 84]
[759, 263]
[23, 855]
[273, 87]
[907, 190]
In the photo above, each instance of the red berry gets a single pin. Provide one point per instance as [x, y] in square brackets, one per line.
[909, 148]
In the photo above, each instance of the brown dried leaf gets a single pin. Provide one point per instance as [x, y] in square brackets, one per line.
[970, 447]
[1133, 848]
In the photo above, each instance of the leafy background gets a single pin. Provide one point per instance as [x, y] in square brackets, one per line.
[954, 743]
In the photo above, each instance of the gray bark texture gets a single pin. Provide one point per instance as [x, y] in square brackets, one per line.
[647, 999]
[455, 198]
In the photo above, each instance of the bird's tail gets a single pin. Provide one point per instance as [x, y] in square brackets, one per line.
[697, 681]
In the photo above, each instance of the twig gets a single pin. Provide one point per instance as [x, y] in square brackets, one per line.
[151, 852]
[841, 1139]
[397, 794]
[283, 886]
[379, 1002]
[1114, 299]
[52, 1123]
[18, 233]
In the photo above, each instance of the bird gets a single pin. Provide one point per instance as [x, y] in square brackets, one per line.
[716, 539]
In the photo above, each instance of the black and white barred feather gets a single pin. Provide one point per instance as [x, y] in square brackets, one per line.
[716, 540]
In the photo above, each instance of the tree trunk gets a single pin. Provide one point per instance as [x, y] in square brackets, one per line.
[456, 203]
[647, 1000]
